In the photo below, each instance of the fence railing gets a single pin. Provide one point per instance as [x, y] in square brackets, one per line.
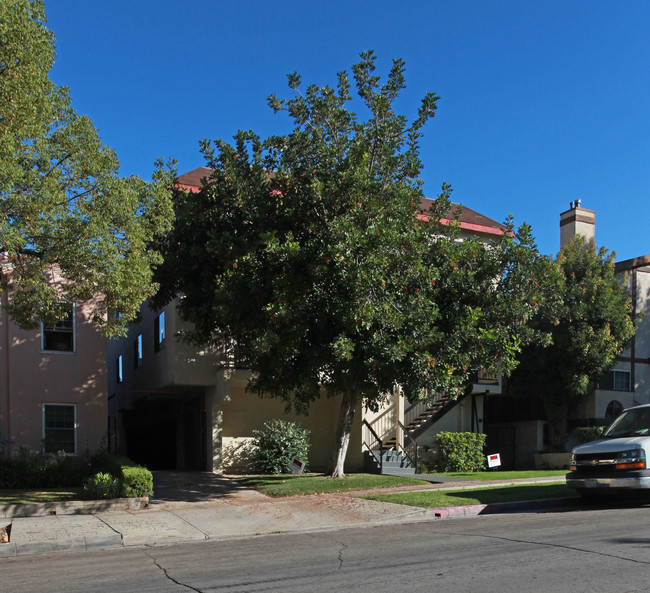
[384, 424]
[409, 446]
[373, 444]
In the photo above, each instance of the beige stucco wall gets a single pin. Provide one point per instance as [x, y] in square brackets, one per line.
[601, 400]
[176, 363]
[642, 336]
[244, 412]
[30, 377]
[642, 339]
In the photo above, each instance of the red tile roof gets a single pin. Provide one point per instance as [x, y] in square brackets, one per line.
[192, 180]
[469, 219]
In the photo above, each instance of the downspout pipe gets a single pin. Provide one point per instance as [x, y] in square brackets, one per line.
[7, 370]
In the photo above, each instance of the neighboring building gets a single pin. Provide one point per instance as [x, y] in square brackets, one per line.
[516, 425]
[628, 382]
[53, 388]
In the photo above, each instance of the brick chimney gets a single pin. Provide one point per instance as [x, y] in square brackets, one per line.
[577, 221]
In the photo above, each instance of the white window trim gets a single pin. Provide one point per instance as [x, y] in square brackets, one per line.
[74, 407]
[74, 336]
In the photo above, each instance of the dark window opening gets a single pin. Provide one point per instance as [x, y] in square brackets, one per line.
[59, 428]
[60, 336]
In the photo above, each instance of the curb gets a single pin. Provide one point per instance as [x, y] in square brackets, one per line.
[72, 507]
[499, 507]
[97, 534]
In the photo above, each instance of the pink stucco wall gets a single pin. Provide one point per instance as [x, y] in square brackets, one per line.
[30, 377]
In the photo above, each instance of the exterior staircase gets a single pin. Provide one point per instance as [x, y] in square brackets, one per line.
[388, 462]
[419, 417]
[384, 456]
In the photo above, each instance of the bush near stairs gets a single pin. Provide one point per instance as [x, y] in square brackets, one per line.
[460, 451]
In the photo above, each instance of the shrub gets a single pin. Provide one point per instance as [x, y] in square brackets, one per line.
[31, 469]
[103, 475]
[102, 485]
[277, 443]
[137, 481]
[107, 463]
[460, 451]
[585, 434]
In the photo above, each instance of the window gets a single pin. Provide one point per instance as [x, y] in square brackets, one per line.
[137, 352]
[615, 380]
[159, 331]
[60, 428]
[60, 336]
[614, 410]
[119, 369]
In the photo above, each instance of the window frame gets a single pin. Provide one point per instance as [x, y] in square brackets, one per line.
[53, 329]
[45, 428]
[159, 331]
[119, 369]
[609, 381]
[137, 352]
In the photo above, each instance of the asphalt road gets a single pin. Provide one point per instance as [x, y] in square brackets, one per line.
[592, 549]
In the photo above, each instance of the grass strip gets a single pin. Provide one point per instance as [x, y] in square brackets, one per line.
[291, 485]
[491, 476]
[31, 496]
[453, 498]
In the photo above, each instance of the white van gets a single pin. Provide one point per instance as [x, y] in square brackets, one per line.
[616, 462]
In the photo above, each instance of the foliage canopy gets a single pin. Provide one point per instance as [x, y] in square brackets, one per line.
[312, 256]
[587, 332]
[70, 227]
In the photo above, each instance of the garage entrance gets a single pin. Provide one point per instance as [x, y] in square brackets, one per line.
[165, 432]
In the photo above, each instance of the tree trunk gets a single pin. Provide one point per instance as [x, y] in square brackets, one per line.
[343, 432]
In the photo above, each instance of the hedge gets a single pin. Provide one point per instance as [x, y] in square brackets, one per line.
[102, 475]
[136, 481]
[460, 451]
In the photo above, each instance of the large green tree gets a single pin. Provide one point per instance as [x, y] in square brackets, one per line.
[309, 254]
[70, 227]
[589, 329]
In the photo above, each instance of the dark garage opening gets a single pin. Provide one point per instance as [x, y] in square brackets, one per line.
[166, 433]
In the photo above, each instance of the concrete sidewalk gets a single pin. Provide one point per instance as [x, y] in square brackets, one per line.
[209, 507]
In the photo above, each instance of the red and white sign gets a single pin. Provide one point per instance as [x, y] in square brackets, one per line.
[494, 460]
[296, 466]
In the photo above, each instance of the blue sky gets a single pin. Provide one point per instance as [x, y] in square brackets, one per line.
[541, 103]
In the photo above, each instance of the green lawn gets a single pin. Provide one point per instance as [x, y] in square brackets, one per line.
[290, 485]
[453, 498]
[28, 496]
